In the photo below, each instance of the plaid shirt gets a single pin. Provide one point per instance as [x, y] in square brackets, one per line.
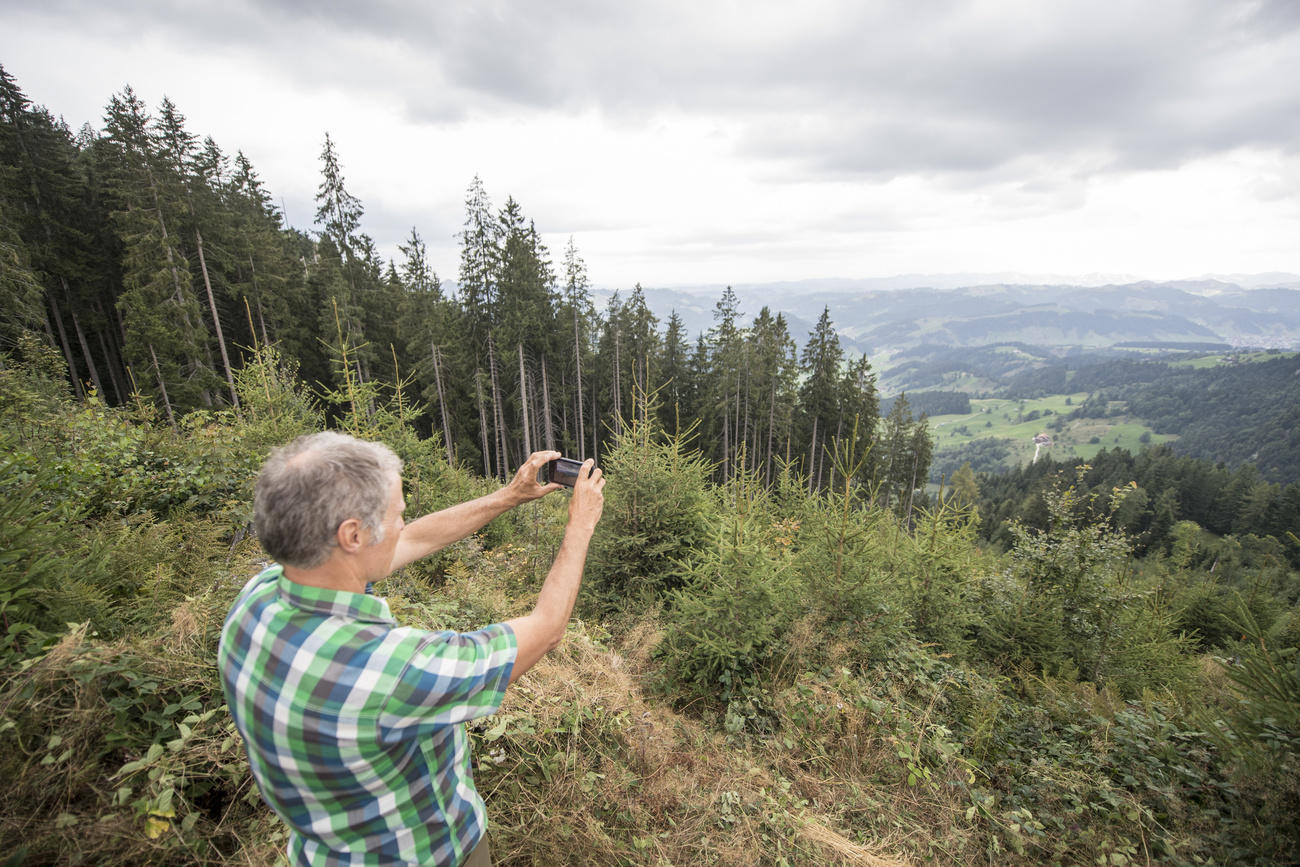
[354, 724]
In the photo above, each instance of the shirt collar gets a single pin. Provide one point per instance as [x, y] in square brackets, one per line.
[333, 603]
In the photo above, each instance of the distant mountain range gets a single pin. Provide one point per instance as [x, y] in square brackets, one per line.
[883, 317]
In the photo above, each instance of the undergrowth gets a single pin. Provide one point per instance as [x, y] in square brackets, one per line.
[772, 677]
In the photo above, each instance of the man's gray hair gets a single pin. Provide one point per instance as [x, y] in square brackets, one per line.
[312, 485]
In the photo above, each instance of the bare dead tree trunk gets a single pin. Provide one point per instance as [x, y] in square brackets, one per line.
[577, 364]
[49, 333]
[789, 435]
[523, 402]
[771, 423]
[564, 405]
[549, 429]
[116, 361]
[726, 444]
[595, 423]
[911, 492]
[735, 428]
[252, 273]
[483, 423]
[812, 456]
[67, 350]
[85, 351]
[216, 320]
[498, 417]
[442, 407]
[618, 388]
[162, 387]
[112, 368]
[535, 414]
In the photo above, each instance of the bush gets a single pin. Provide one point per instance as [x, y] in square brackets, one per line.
[658, 513]
[1070, 604]
[734, 601]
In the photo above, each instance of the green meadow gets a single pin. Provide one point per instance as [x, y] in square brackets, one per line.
[1019, 421]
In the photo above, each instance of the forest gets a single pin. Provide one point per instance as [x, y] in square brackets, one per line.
[156, 263]
[785, 651]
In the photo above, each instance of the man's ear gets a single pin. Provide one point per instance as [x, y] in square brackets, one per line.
[351, 536]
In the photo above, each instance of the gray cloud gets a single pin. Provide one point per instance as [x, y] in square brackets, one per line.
[835, 88]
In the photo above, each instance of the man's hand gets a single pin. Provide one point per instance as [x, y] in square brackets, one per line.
[524, 487]
[431, 533]
[588, 497]
[543, 629]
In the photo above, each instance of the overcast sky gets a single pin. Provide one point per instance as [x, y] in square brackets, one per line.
[702, 142]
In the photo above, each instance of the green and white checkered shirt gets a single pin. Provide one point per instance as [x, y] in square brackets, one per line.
[354, 725]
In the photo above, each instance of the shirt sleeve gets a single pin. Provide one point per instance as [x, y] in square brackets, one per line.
[451, 677]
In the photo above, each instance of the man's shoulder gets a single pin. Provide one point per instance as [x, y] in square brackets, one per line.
[258, 589]
[259, 586]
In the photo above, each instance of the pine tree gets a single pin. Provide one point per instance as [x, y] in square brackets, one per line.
[42, 195]
[267, 273]
[965, 488]
[819, 395]
[861, 404]
[417, 274]
[675, 375]
[639, 341]
[576, 307]
[345, 248]
[480, 255]
[165, 336]
[338, 212]
[193, 173]
[19, 283]
[773, 370]
[720, 398]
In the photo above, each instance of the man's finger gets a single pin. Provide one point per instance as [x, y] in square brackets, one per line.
[538, 458]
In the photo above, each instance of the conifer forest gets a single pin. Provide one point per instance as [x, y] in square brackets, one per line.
[790, 648]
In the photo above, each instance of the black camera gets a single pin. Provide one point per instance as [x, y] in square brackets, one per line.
[564, 471]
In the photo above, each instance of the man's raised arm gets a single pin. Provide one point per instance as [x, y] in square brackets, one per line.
[543, 629]
[436, 531]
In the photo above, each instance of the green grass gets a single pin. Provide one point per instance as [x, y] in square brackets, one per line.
[1001, 418]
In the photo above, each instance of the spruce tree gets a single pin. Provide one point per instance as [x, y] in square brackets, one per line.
[165, 336]
[819, 396]
[576, 307]
[194, 174]
[675, 375]
[480, 255]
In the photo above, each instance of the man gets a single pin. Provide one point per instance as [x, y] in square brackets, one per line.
[353, 724]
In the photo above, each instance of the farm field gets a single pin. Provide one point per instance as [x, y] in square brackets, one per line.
[1019, 421]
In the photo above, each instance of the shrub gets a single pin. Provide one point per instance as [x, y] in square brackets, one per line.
[1070, 604]
[727, 620]
[844, 559]
[658, 513]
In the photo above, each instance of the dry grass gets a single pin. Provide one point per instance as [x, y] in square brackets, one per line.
[610, 775]
[588, 762]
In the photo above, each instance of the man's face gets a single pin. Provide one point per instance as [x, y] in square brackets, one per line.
[379, 555]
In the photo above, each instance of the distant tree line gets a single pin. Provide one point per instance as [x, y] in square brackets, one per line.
[155, 262]
[933, 402]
